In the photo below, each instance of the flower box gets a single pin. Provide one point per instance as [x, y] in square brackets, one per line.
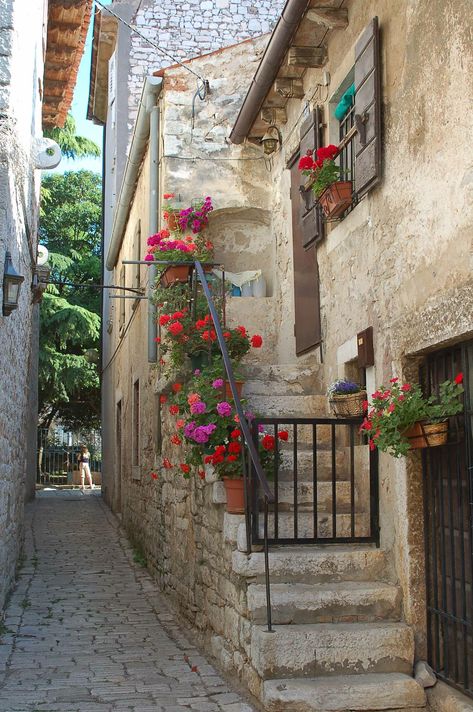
[423, 434]
[228, 391]
[176, 273]
[336, 198]
[349, 405]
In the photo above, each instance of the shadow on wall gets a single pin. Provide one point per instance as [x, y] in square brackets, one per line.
[243, 241]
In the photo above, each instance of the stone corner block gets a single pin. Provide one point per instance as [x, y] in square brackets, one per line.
[424, 674]
[219, 496]
[231, 526]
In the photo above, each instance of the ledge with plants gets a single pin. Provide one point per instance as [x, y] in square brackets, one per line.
[323, 178]
[401, 418]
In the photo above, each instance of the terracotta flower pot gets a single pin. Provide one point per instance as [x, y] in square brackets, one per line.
[336, 198]
[348, 405]
[228, 391]
[422, 434]
[176, 273]
[172, 220]
[235, 489]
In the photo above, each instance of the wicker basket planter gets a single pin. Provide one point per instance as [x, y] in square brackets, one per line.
[336, 199]
[423, 434]
[348, 405]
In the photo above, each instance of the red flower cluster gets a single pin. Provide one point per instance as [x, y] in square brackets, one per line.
[324, 153]
[174, 409]
[176, 440]
[167, 464]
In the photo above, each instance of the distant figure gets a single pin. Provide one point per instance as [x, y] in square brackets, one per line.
[84, 468]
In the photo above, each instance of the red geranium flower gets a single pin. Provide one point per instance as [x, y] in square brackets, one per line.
[268, 442]
[372, 445]
[406, 387]
[242, 330]
[306, 163]
[167, 196]
[154, 475]
[177, 315]
[232, 458]
[283, 435]
[185, 468]
[163, 399]
[202, 474]
[176, 387]
[175, 328]
[226, 335]
[365, 405]
[459, 378]
[393, 380]
[220, 449]
[235, 433]
[234, 448]
[174, 409]
[164, 319]
[176, 440]
[256, 341]
[208, 459]
[166, 464]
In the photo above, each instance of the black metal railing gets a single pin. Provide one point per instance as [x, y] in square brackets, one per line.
[324, 481]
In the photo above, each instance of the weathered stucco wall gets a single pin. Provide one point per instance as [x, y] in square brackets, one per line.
[21, 62]
[401, 260]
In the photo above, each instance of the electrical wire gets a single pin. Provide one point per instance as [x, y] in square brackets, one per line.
[134, 29]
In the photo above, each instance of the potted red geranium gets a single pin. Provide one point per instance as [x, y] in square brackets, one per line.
[334, 195]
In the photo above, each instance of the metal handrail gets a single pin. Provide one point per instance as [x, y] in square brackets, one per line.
[268, 495]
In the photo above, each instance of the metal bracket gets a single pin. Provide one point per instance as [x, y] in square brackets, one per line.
[360, 122]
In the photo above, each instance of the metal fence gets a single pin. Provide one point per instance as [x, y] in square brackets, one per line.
[58, 450]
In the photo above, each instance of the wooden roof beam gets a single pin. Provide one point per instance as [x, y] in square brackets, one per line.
[330, 17]
[313, 57]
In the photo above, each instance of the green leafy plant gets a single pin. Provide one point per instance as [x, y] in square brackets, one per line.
[394, 410]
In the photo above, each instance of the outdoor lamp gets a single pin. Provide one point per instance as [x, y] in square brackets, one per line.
[40, 281]
[271, 140]
[11, 286]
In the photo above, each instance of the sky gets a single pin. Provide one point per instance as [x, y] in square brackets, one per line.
[79, 111]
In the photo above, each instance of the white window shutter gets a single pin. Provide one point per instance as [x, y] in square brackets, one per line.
[112, 79]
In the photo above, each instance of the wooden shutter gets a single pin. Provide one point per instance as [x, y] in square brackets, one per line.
[368, 109]
[311, 215]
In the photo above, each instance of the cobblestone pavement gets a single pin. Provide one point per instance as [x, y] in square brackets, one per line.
[87, 629]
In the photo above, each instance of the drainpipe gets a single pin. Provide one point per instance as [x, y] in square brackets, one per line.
[153, 227]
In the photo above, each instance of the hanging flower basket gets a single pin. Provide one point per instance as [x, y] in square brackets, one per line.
[336, 198]
[235, 489]
[423, 434]
[176, 273]
[348, 406]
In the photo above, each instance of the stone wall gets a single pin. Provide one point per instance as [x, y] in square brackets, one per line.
[21, 34]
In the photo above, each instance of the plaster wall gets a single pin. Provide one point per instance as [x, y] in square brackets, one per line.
[401, 260]
[21, 68]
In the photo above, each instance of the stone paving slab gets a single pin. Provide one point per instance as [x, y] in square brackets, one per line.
[87, 629]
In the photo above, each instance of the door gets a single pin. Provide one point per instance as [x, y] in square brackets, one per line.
[448, 473]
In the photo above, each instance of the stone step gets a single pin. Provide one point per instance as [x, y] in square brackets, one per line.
[362, 601]
[305, 496]
[344, 693]
[325, 529]
[318, 564]
[283, 379]
[332, 649]
[304, 406]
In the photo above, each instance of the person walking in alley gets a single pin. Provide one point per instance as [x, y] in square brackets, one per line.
[84, 467]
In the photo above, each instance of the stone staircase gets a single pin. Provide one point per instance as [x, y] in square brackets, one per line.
[339, 643]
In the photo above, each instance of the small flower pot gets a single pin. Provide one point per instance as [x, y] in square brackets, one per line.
[227, 391]
[422, 434]
[348, 406]
[176, 273]
[336, 199]
[172, 220]
[235, 490]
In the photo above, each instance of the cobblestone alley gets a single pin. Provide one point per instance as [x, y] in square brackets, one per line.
[86, 629]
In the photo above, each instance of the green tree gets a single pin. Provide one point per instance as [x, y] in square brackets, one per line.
[72, 146]
[70, 323]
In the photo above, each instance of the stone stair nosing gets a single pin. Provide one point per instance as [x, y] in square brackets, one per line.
[344, 693]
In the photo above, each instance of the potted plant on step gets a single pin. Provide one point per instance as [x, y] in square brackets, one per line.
[333, 195]
[346, 398]
[402, 418]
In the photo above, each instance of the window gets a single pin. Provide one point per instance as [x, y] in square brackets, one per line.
[135, 435]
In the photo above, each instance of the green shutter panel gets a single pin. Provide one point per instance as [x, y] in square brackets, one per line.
[311, 214]
[368, 109]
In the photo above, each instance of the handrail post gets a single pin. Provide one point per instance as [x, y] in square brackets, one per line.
[266, 568]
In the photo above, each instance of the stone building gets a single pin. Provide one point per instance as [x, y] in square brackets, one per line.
[30, 91]
[383, 292]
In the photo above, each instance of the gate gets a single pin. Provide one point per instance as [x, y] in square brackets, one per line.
[448, 489]
[58, 450]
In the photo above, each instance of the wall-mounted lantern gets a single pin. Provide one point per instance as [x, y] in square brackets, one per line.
[271, 140]
[40, 282]
[11, 286]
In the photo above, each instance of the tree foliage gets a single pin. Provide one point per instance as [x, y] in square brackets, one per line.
[70, 323]
[71, 145]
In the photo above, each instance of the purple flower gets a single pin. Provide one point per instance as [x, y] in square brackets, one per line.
[261, 428]
[198, 408]
[249, 415]
[224, 408]
[197, 372]
[189, 429]
[149, 258]
[202, 433]
[218, 383]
